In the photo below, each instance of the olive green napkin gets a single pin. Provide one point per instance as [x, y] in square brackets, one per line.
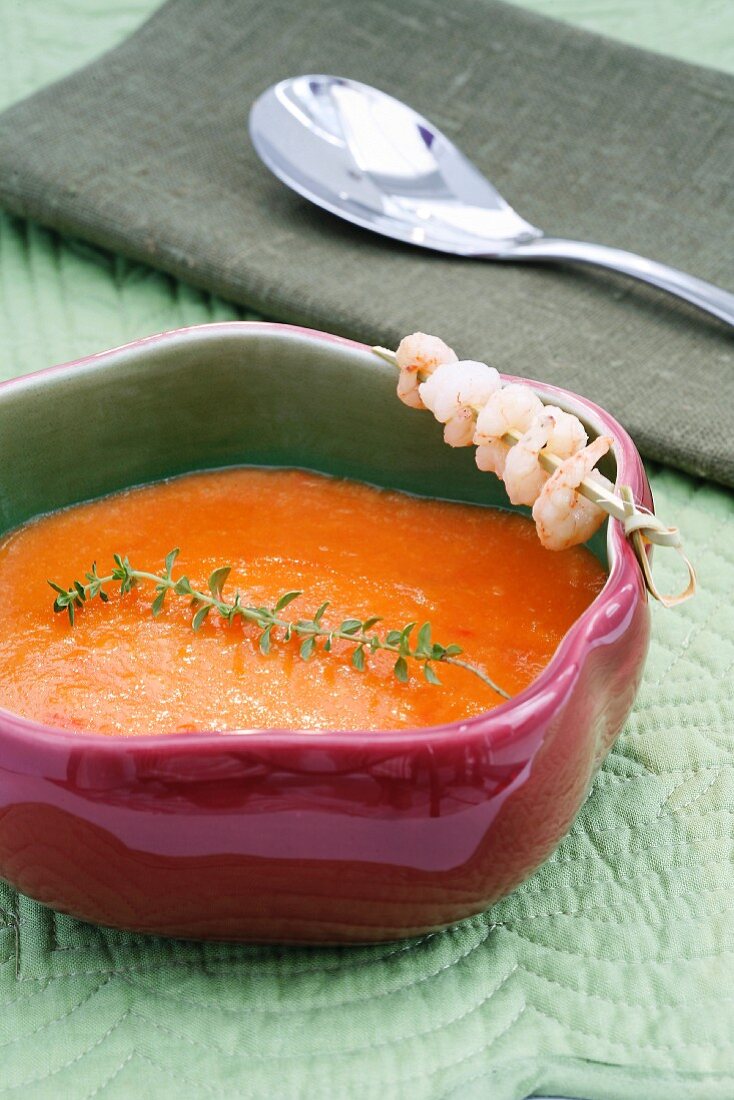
[146, 152]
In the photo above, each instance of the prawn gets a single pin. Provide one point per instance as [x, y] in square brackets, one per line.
[560, 432]
[513, 407]
[491, 457]
[562, 516]
[523, 476]
[566, 433]
[417, 357]
[454, 392]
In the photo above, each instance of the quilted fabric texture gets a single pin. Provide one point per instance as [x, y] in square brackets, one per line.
[609, 974]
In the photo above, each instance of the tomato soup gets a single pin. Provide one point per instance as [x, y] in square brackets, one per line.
[479, 575]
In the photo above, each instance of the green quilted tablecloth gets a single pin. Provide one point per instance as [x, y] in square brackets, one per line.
[609, 974]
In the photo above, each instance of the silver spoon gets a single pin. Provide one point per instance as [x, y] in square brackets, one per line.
[369, 158]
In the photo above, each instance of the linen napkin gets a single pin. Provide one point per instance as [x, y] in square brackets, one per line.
[146, 152]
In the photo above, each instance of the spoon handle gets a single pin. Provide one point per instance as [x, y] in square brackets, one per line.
[705, 295]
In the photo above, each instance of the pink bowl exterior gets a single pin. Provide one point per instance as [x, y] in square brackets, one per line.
[283, 836]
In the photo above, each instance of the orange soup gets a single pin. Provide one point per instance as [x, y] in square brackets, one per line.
[479, 575]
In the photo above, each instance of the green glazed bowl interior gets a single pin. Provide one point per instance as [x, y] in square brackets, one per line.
[205, 398]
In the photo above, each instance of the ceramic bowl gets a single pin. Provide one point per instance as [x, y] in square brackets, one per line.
[281, 835]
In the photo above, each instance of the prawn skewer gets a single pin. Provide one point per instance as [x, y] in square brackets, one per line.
[468, 398]
[503, 414]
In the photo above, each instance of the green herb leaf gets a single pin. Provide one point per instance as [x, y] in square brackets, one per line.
[358, 658]
[217, 580]
[404, 642]
[200, 615]
[453, 650]
[183, 587]
[424, 640]
[393, 637]
[264, 640]
[171, 560]
[350, 626]
[368, 623]
[287, 598]
[307, 647]
[157, 605]
[129, 580]
[430, 675]
[320, 613]
[400, 668]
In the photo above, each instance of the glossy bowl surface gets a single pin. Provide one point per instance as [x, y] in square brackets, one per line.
[282, 835]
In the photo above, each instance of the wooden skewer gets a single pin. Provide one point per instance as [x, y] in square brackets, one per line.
[640, 526]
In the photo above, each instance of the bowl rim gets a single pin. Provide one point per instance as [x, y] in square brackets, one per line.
[609, 612]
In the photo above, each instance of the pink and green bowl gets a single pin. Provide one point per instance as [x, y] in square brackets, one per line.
[281, 835]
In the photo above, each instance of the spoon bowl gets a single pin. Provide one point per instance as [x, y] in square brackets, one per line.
[367, 157]
[359, 153]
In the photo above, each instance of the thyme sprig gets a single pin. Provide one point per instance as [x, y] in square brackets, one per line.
[408, 644]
